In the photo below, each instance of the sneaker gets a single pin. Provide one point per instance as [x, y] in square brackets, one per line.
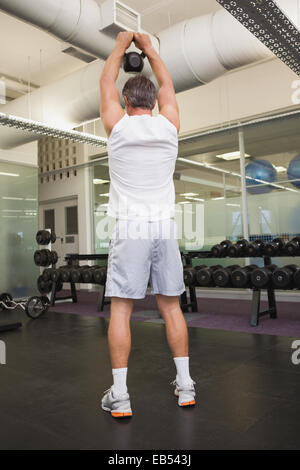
[185, 393]
[118, 405]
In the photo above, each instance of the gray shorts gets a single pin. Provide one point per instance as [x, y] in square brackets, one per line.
[139, 251]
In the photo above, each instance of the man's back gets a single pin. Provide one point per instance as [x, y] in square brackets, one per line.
[142, 153]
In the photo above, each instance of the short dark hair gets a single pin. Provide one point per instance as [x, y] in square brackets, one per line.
[140, 92]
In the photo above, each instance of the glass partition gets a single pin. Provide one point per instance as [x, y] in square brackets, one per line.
[18, 227]
[273, 181]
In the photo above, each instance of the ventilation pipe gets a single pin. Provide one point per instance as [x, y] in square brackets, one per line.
[195, 51]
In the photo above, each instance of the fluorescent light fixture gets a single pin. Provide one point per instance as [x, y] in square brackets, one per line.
[194, 198]
[12, 210]
[104, 195]
[231, 155]
[30, 199]
[100, 181]
[189, 194]
[233, 205]
[217, 198]
[3, 173]
[280, 169]
[13, 198]
[48, 130]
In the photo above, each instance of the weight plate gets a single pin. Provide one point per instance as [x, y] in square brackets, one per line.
[36, 306]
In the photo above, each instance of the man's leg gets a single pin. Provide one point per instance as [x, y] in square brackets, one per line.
[177, 336]
[176, 329]
[119, 336]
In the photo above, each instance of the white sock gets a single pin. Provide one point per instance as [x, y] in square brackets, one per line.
[120, 377]
[183, 373]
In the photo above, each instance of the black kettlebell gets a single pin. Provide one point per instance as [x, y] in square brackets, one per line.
[133, 62]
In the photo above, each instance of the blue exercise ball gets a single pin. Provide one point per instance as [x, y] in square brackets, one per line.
[293, 171]
[260, 170]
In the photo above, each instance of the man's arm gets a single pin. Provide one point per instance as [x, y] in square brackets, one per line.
[110, 107]
[167, 103]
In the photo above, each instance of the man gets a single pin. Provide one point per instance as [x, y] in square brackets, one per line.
[142, 153]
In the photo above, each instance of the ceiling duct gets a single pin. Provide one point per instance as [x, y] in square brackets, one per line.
[269, 23]
[195, 51]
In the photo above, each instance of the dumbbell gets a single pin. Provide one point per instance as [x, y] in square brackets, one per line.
[222, 276]
[293, 247]
[262, 277]
[255, 248]
[87, 273]
[43, 237]
[45, 257]
[283, 278]
[57, 274]
[238, 249]
[47, 273]
[42, 257]
[275, 247]
[44, 287]
[76, 273]
[241, 277]
[99, 275]
[204, 276]
[220, 250]
[190, 274]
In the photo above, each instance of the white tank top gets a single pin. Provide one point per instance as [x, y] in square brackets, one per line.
[142, 152]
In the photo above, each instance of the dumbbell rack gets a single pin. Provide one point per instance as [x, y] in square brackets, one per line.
[256, 312]
[70, 258]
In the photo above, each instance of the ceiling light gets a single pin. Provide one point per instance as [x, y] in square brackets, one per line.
[217, 198]
[12, 210]
[194, 198]
[280, 169]
[100, 181]
[30, 199]
[233, 205]
[3, 173]
[189, 194]
[13, 198]
[183, 202]
[48, 130]
[104, 195]
[231, 156]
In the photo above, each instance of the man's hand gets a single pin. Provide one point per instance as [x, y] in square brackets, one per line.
[143, 42]
[124, 39]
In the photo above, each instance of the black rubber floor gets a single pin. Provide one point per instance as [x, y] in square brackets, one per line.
[58, 366]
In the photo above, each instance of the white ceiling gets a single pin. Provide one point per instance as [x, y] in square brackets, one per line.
[31, 54]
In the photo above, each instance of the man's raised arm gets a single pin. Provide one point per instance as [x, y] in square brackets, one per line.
[167, 103]
[110, 107]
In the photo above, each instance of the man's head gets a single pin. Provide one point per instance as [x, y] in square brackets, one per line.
[139, 92]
